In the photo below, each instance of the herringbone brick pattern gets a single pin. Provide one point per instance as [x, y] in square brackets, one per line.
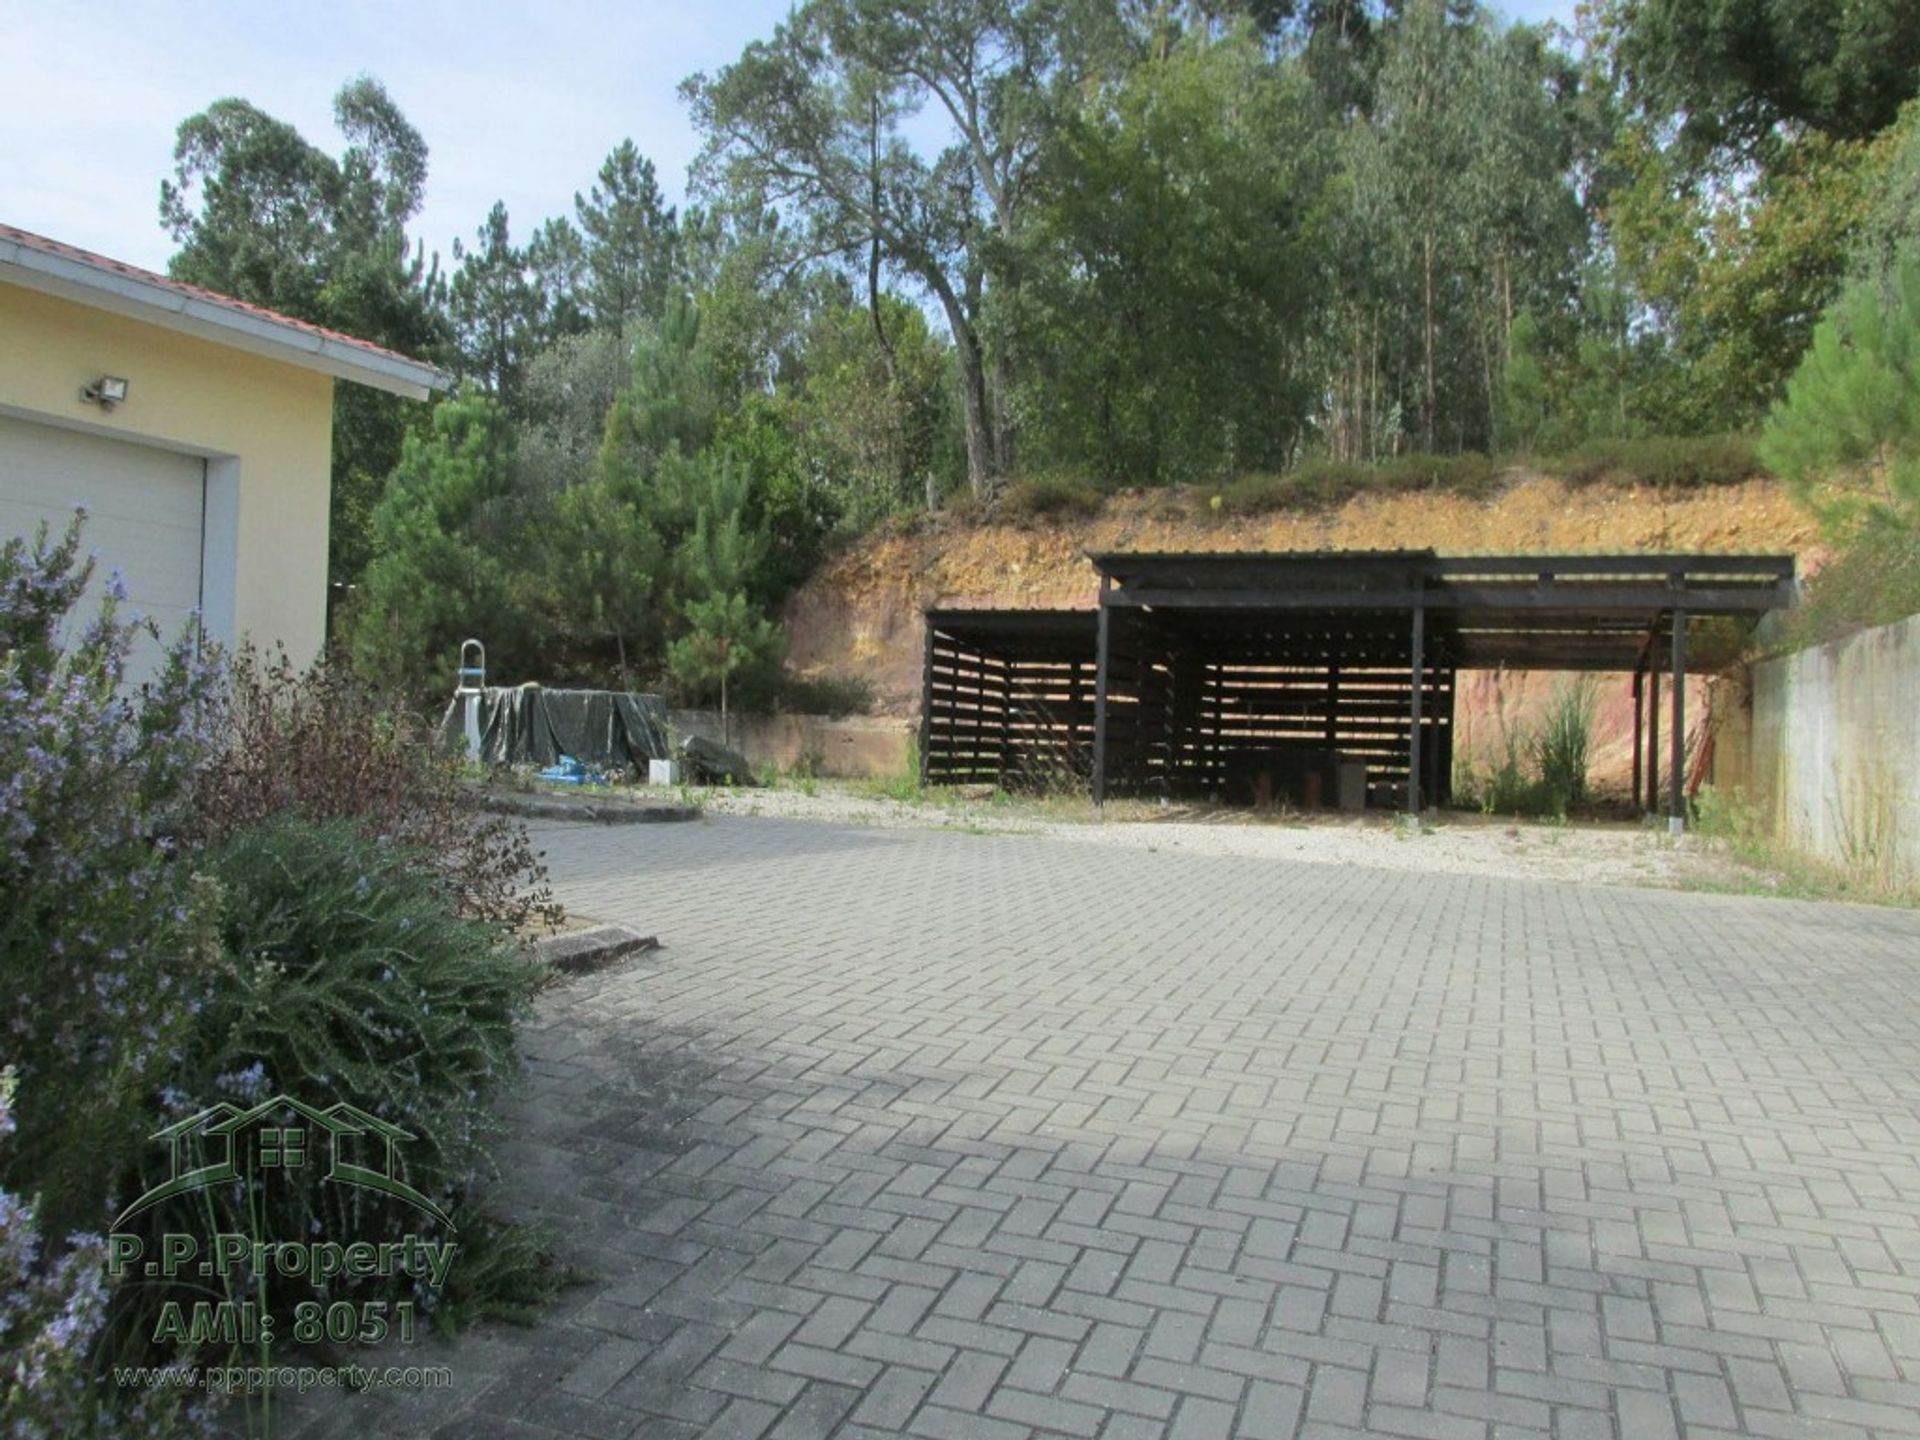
[931, 1134]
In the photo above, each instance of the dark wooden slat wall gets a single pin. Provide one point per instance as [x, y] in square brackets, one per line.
[1174, 716]
[1021, 722]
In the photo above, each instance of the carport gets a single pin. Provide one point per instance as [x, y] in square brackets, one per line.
[1317, 676]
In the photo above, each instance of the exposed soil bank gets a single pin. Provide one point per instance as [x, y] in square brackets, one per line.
[860, 614]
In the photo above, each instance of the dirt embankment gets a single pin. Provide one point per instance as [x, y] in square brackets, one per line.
[860, 615]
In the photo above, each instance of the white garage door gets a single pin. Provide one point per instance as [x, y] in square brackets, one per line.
[144, 516]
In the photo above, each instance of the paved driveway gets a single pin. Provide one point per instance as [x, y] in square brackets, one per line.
[937, 1134]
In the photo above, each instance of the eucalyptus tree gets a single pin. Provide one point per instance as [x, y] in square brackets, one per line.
[264, 215]
[1464, 212]
[1424, 126]
[1754, 142]
[1181, 266]
[1736, 74]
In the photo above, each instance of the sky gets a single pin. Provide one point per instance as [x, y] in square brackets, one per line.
[517, 102]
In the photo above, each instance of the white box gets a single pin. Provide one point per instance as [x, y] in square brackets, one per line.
[663, 772]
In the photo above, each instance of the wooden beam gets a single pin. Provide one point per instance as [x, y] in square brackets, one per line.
[926, 703]
[1772, 567]
[1653, 739]
[1591, 599]
[1677, 778]
[1414, 745]
[1636, 737]
[1103, 637]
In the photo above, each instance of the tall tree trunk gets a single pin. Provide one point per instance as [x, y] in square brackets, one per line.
[1427, 333]
[873, 252]
[1373, 387]
[1506, 304]
[984, 462]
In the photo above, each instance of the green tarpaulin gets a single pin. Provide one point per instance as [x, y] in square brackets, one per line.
[533, 725]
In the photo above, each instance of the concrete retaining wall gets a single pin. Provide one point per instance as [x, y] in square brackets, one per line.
[856, 747]
[1830, 754]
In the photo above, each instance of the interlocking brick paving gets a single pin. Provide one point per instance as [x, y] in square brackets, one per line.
[935, 1134]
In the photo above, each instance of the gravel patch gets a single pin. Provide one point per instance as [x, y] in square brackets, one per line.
[1607, 853]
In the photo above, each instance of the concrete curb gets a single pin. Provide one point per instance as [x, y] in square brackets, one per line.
[593, 810]
[582, 951]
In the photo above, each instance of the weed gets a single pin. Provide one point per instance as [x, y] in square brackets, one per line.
[1540, 770]
[1051, 495]
[903, 785]
[1562, 743]
[1662, 462]
[1727, 822]
[1874, 580]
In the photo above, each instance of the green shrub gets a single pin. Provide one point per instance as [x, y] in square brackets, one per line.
[347, 973]
[1317, 485]
[959, 507]
[1661, 462]
[1051, 496]
[1326, 484]
[1874, 580]
[1502, 788]
[1541, 769]
[505, 1272]
[1472, 474]
[1728, 818]
[348, 962]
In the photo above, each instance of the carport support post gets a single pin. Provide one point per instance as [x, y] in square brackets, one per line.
[1653, 736]
[1419, 686]
[1636, 736]
[1677, 769]
[926, 703]
[1100, 700]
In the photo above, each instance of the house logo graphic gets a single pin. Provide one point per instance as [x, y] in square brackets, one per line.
[278, 1135]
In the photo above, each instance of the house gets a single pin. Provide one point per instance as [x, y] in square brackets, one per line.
[195, 429]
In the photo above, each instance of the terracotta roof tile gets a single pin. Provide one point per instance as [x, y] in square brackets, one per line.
[88, 258]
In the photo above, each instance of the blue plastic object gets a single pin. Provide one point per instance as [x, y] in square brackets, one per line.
[568, 771]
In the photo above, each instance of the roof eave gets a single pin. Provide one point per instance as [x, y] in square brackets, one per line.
[257, 334]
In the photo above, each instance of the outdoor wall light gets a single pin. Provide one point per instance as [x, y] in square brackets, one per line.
[106, 392]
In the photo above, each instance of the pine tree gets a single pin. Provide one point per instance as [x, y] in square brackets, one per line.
[1851, 415]
[631, 240]
[444, 566]
[726, 633]
[557, 258]
[603, 567]
[494, 308]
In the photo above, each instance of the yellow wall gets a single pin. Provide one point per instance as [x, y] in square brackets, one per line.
[274, 420]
